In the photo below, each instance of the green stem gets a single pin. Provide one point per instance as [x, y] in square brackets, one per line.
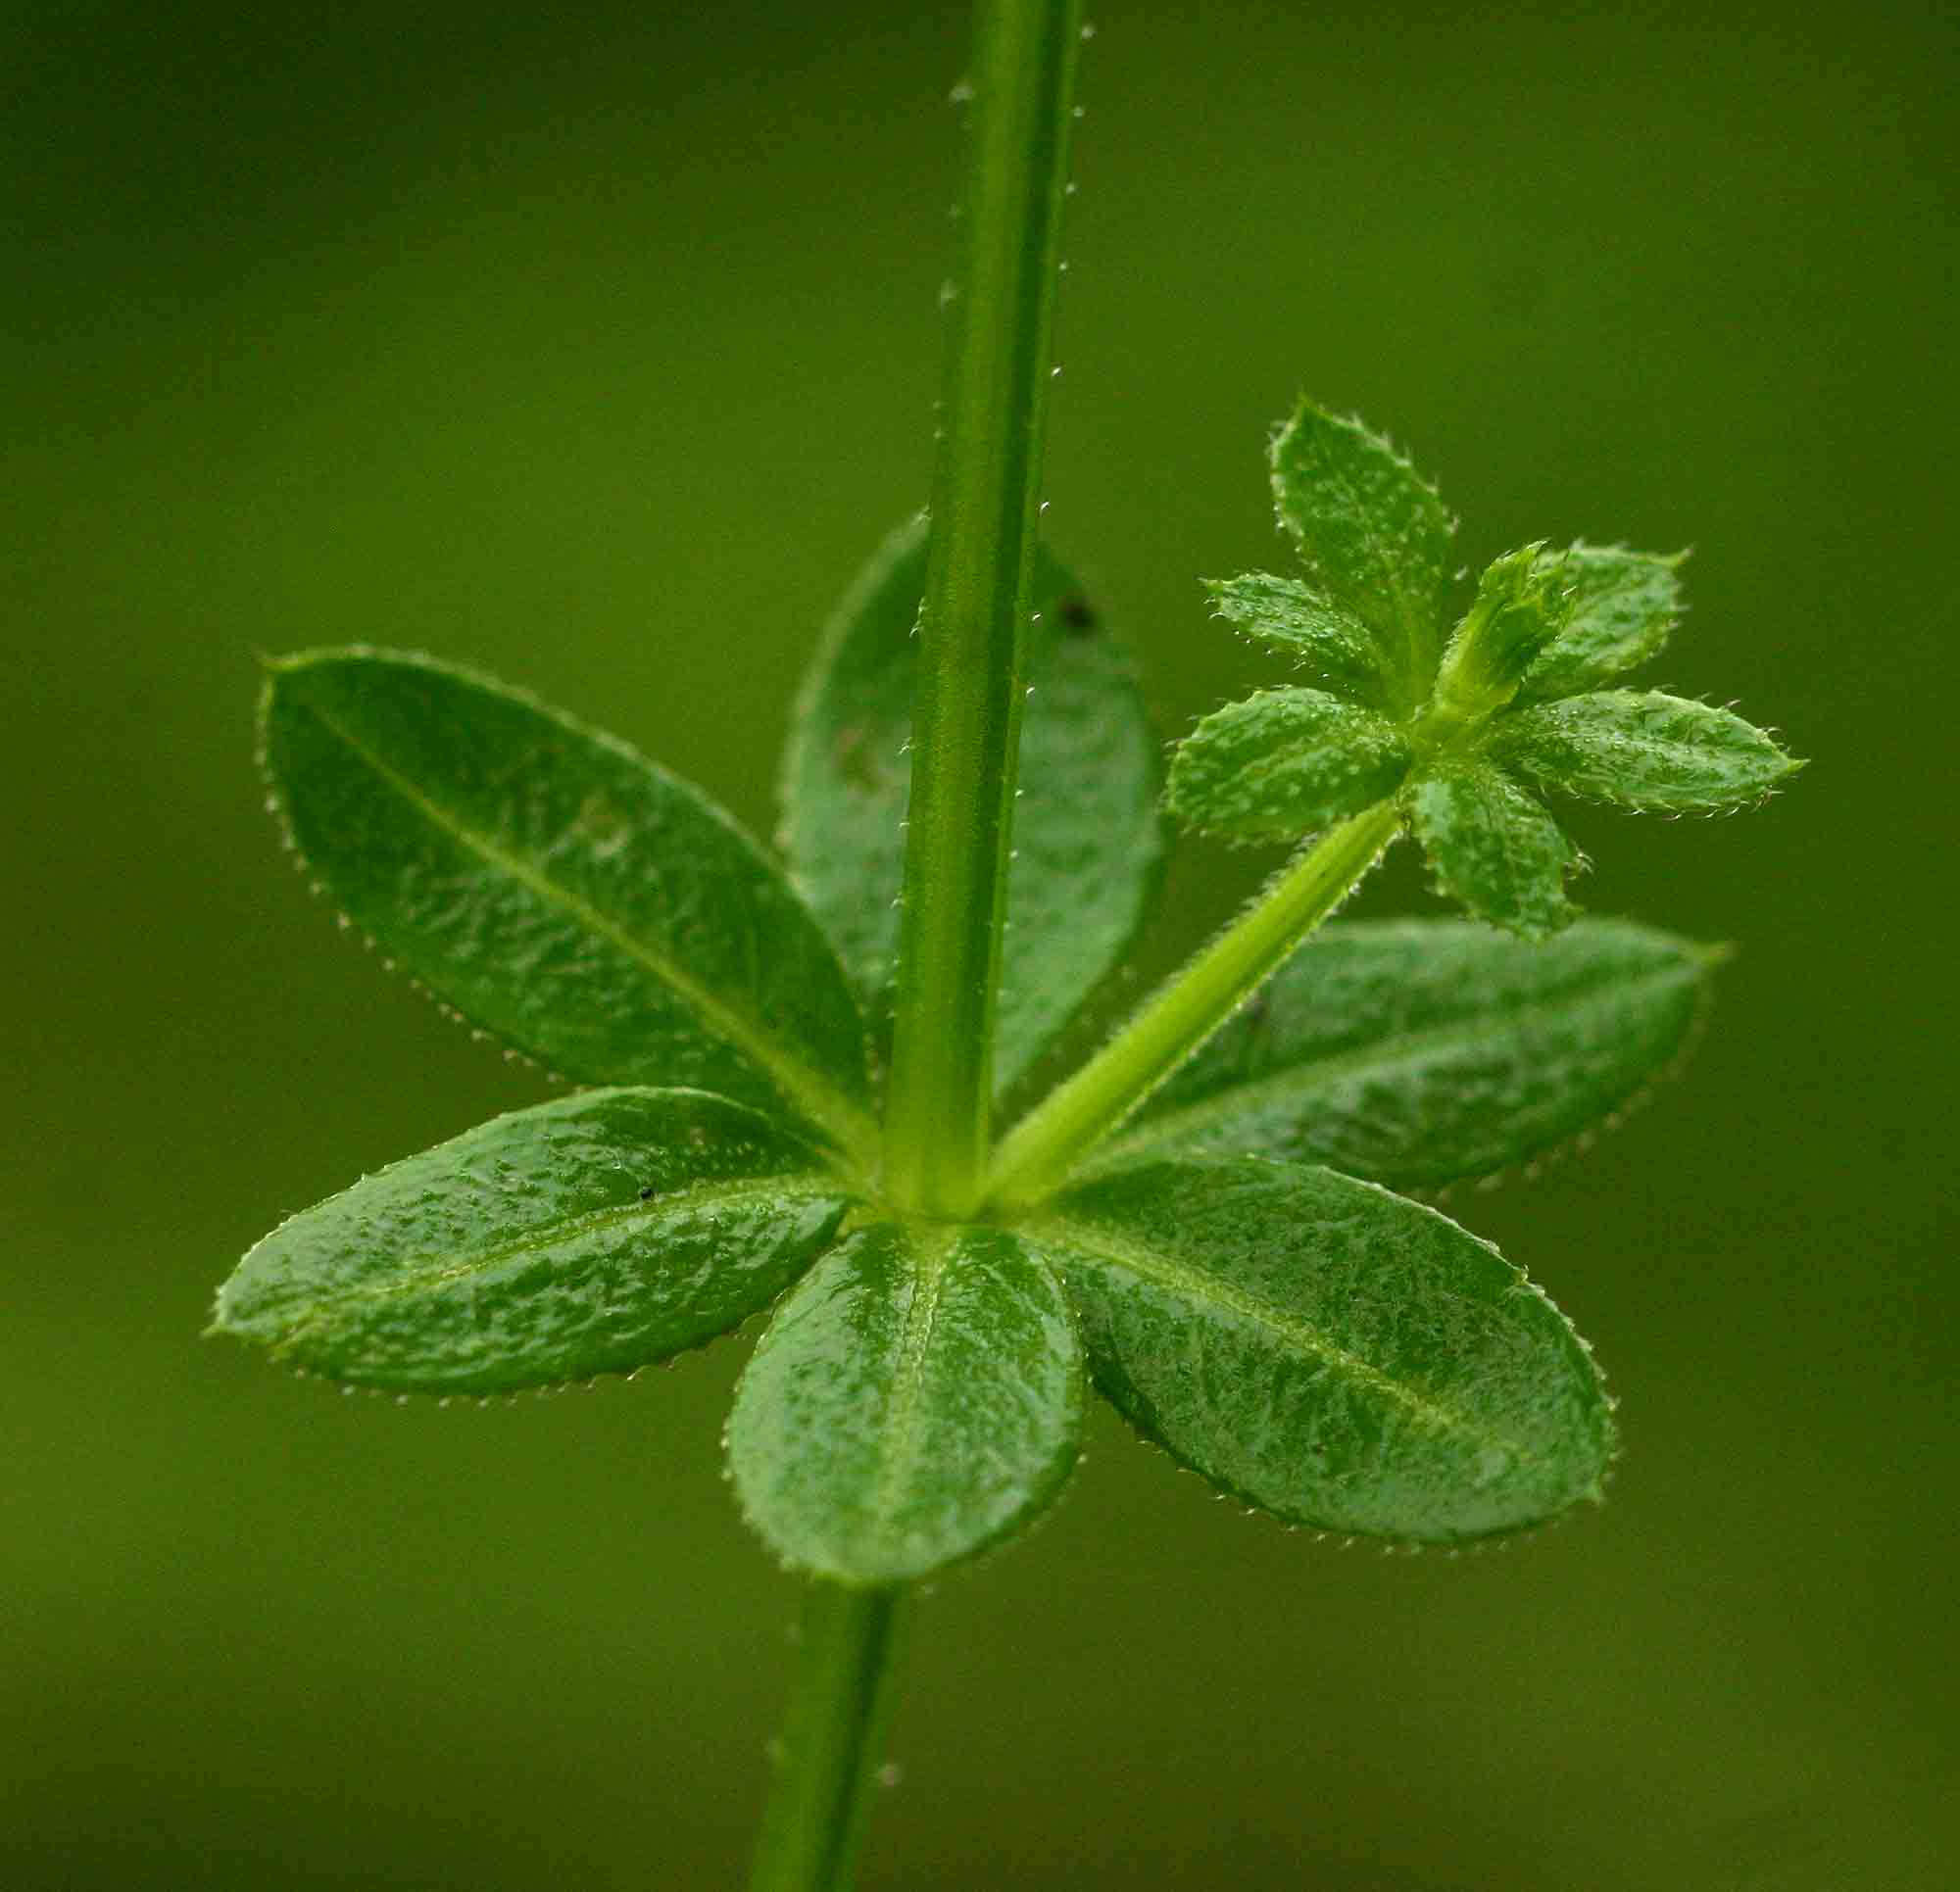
[1185, 1011]
[985, 505]
[831, 1744]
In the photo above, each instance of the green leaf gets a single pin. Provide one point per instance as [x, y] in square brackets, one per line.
[1418, 1054]
[1330, 1352]
[1519, 608]
[1285, 762]
[1621, 607]
[918, 1397]
[1334, 644]
[1373, 534]
[1088, 841]
[1642, 750]
[592, 1235]
[587, 907]
[1493, 847]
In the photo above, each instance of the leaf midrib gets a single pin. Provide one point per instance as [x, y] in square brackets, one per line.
[925, 1256]
[1169, 1271]
[815, 1095]
[323, 1309]
[1395, 1049]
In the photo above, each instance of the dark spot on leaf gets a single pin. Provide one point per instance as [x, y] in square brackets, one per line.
[857, 758]
[646, 1194]
[1075, 612]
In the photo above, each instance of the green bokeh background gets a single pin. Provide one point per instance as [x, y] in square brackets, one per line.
[596, 346]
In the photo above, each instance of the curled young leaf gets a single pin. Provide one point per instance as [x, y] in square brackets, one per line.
[1088, 841]
[917, 1398]
[1372, 533]
[1642, 750]
[1620, 608]
[1493, 847]
[1284, 763]
[592, 911]
[1330, 1352]
[1328, 641]
[593, 1234]
[1418, 1054]
[1519, 608]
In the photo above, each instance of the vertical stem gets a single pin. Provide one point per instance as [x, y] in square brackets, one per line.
[830, 1743]
[985, 504]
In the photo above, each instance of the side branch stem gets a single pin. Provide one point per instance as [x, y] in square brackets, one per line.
[1185, 1010]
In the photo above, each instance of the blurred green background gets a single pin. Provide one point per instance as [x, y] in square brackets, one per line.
[597, 346]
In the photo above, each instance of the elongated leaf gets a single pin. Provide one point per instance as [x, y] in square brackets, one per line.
[1087, 839]
[1642, 750]
[1372, 532]
[1621, 608]
[1421, 1052]
[590, 910]
[1493, 847]
[1328, 1351]
[917, 1398]
[1284, 763]
[1334, 646]
[592, 1235]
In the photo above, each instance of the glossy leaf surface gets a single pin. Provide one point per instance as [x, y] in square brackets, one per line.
[1284, 761]
[1641, 749]
[593, 1234]
[1417, 1053]
[1332, 1353]
[1087, 837]
[1620, 608]
[917, 1397]
[1373, 534]
[1493, 847]
[1332, 645]
[590, 910]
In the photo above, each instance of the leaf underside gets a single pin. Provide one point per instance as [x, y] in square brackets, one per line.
[592, 1235]
[590, 910]
[1493, 847]
[1088, 841]
[1417, 1053]
[1372, 533]
[1639, 749]
[1283, 762]
[917, 1398]
[1334, 1354]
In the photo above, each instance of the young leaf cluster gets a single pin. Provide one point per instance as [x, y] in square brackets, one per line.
[1462, 733]
[1223, 1257]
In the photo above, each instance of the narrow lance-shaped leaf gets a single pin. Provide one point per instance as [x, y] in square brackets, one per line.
[593, 1234]
[1642, 750]
[1372, 532]
[1332, 1353]
[589, 908]
[1284, 761]
[1088, 841]
[1418, 1054]
[1332, 646]
[917, 1398]
[1620, 608]
[1493, 847]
